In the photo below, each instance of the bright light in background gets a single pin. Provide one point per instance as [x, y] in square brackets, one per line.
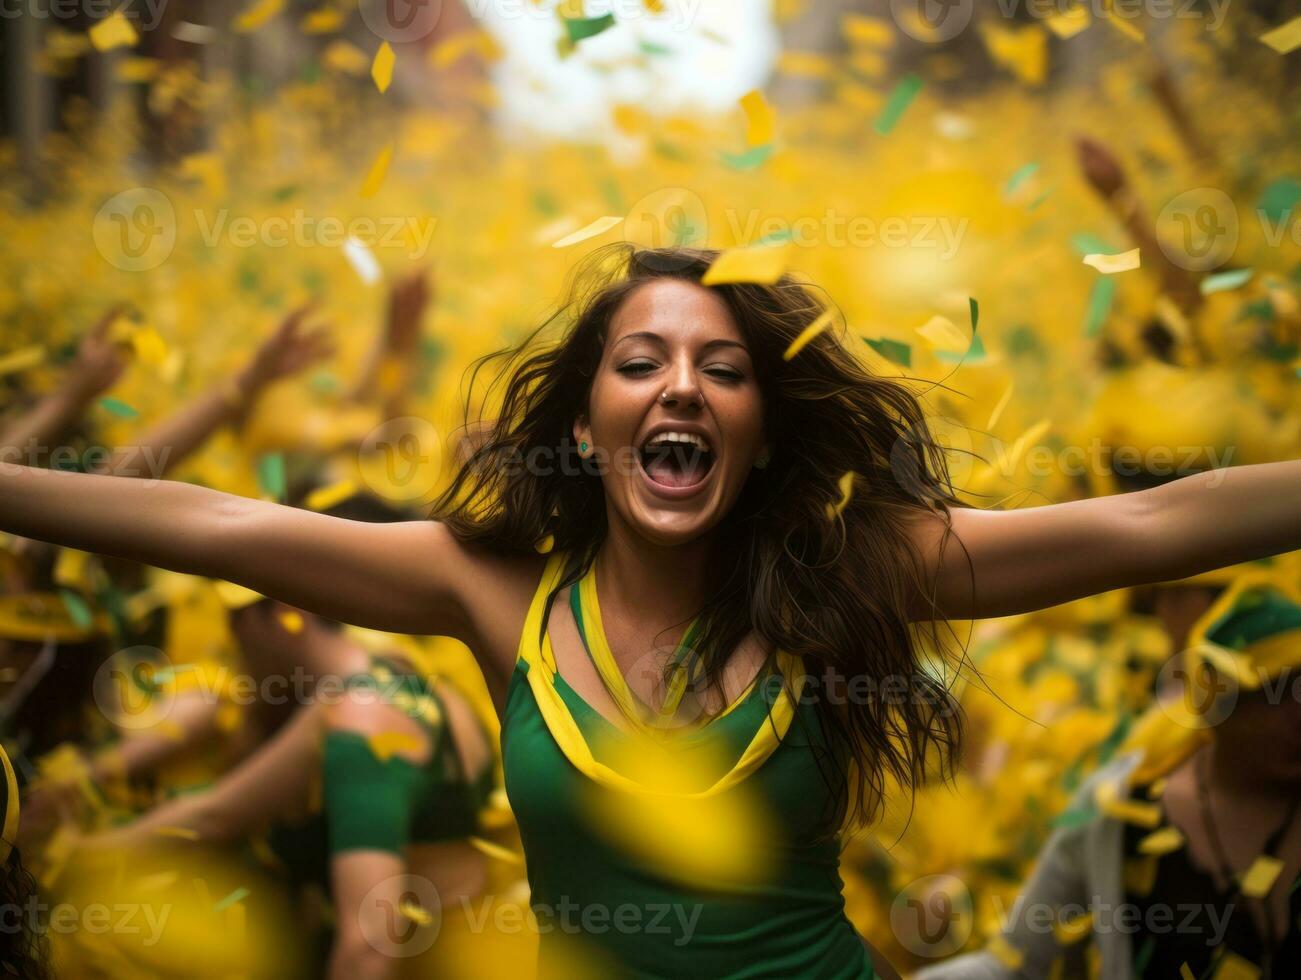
[695, 55]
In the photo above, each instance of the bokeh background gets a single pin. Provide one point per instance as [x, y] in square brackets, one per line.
[940, 170]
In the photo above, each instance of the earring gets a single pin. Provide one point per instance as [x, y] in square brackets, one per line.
[762, 460]
[582, 447]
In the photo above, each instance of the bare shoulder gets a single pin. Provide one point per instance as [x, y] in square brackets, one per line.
[493, 592]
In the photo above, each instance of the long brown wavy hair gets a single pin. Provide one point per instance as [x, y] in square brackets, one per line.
[834, 588]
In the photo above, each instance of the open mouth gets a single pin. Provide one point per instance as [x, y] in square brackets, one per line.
[676, 461]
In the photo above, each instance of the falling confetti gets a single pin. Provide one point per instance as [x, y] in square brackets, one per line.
[897, 104]
[598, 227]
[1108, 264]
[381, 69]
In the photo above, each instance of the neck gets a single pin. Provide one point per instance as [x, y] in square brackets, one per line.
[667, 582]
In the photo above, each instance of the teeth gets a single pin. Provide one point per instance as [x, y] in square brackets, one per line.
[678, 437]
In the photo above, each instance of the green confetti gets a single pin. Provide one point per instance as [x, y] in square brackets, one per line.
[1100, 300]
[271, 475]
[668, 151]
[119, 408]
[785, 235]
[1279, 199]
[238, 895]
[653, 49]
[1070, 819]
[77, 609]
[1224, 281]
[581, 28]
[1144, 957]
[1034, 205]
[898, 102]
[1087, 243]
[613, 197]
[1020, 177]
[545, 204]
[892, 350]
[975, 313]
[323, 383]
[974, 353]
[750, 159]
[284, 193]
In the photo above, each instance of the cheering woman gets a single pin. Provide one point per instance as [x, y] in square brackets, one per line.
[763, 533]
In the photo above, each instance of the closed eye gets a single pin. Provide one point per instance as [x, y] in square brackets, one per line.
[635, 368]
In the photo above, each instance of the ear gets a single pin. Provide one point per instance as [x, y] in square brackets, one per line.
[583, 434]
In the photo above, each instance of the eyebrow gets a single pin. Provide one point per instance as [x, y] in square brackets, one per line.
[656, 338]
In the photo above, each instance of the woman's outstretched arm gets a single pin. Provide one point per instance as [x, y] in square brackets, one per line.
[407, 577]
[1000, 563]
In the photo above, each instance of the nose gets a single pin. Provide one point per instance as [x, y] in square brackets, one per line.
[682, 390]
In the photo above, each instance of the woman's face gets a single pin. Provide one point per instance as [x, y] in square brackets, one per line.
[675, 415]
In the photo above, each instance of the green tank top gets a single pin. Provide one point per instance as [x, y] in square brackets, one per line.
[620, 910]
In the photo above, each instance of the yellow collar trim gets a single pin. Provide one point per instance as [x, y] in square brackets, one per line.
[535, 650]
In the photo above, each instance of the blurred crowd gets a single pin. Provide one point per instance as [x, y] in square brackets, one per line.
[279, 299]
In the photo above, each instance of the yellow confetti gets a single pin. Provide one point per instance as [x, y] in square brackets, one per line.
[805, 64]
[1260, 877]
[235, 596]
[1163, 841]
[381, 69]
[1005, 953]
[598, 227]
[1067, 23]
[256, 15]
[1021, 50]
[1108, 264]
[756, 263]
[1008, 461]
[378, 171]
[1070, 931]
[759, 119]
[1138, 875]
[809, 332]
[182, 833]
[323, 498]
[385, 745]
[292, 621]
[1286, 38]
[157, 882]
[846, 485]
[1123, 24]
[453, 49]
[1233, 967]
[655, 6]
[1186, 973]
[496, 851]
[941, 334]
[1172, 317]
[1003, 402]
[149, 347]
[114, 31]
[22, 359]
[327, 20]
[344, 57]
[415, 913]
[1109, 802]
[872, 31]
[137, 69]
